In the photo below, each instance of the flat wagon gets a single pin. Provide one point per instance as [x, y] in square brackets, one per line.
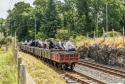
[59, 58]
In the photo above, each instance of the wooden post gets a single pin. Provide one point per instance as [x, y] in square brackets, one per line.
[6, 45]
[113, 32]
[113, 36]
[23, 73]
[104, 34]
[87, 35]
[97, 25]
[94, 36]
[15, 54]
[19, 62]
[106, 17]
[123, 35]
[15, 44]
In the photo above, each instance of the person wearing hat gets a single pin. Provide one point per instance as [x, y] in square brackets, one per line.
[69, 46]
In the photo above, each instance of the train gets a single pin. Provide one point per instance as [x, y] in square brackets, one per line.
[59, 58]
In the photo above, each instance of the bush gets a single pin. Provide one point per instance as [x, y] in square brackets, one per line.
[57, 40]
[8, 40]
[4, 41]
[110, 34]
[41, 35]
[79, 37]
[62, 34]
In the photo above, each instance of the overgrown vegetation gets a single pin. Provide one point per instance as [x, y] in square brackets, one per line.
[108, 50]
[8, 69]
[112, 34]
[62, 34]
[5, 41]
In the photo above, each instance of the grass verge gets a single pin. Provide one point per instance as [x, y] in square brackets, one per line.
[8, 70]
[41, 73]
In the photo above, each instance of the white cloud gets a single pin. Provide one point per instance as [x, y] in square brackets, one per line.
[8, 4]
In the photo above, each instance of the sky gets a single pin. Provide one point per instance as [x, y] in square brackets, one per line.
[9, 4]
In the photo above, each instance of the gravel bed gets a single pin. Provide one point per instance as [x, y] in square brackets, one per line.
[99, 75]
[109, 66]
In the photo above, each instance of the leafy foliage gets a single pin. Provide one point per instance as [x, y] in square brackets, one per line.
[111, 34]
[79, 37]
[20, 20]
[51, 21]
[2, 41]
[41, 35]
[80, 17]
[62, 34]
[5, 41]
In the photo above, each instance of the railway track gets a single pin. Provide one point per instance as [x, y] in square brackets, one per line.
[105, 69]
[81, 78]
[73, 77]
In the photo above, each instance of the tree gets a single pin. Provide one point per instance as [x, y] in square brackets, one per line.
[19, 19]
[116, 9]
[62, 34]
[78, 17]
[39, 12]
[51, 20]
[84, 9]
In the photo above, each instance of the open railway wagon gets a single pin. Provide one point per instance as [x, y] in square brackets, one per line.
[59, 58]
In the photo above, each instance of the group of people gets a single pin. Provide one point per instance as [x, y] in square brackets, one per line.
[49, 44]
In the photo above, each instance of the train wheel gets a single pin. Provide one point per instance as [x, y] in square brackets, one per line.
[57, 65]
[72, 66]
[48, 61]
[63, 66]
[53, 63]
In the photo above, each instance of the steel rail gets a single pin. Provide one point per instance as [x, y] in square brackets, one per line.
[81, 78]
[108, 70]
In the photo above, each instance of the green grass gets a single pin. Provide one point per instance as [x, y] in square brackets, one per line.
[41, 73]
[8, 70]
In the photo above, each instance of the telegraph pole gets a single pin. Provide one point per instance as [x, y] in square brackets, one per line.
[123, 21]
[97, 29]
[35, 28]
[10, 27]
[106, 17]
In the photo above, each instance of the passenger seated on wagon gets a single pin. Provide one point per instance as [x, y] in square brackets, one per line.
[56, 45]
[51, 45]
[69, 46]
[25, 42]
[30, 41]
[40, 44]
[34, 43]
[46, 44]
[61, 45]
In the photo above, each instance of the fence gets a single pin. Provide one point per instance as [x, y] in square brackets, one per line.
[23, 76]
